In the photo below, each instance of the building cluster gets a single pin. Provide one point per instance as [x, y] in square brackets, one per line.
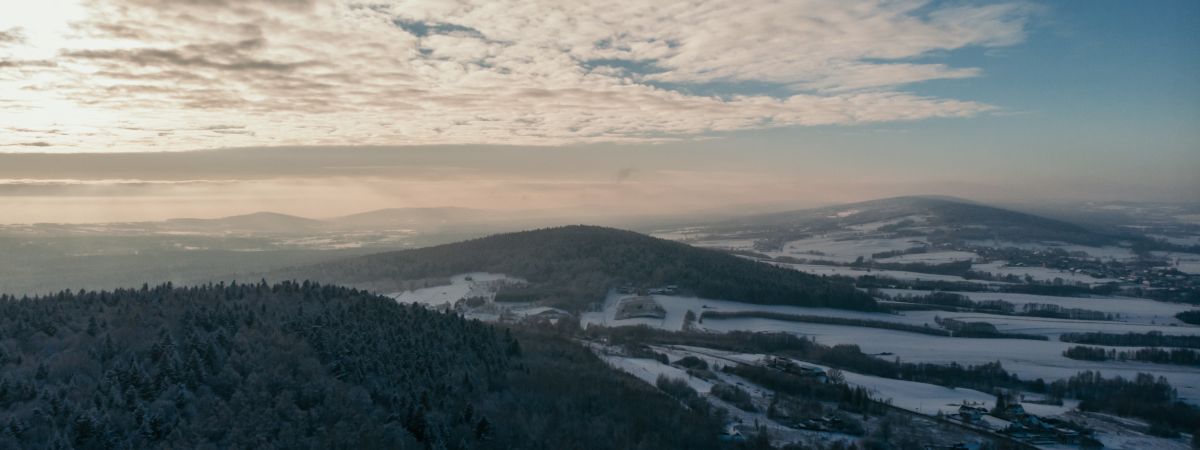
[1011, 418]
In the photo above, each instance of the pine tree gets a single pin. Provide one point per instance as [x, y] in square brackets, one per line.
[483, 429]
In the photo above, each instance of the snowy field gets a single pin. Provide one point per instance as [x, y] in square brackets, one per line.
[1132, 310]
[874, 226]
[476, 285]
[845, 248]
[1048, 326]
[1106, 252]
[1001, 268]
[855, 272]
[1027, 358]
[931, 257]
[922, 398]
[648, 371]
[679, 234]
[726, 244]
[1137, 315]
[1183, 262]
[462, 286]
[678, 306]
[1178, 240]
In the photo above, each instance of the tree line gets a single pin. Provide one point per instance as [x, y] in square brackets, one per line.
[305, 365]
[1131, 339]
[1179, 356]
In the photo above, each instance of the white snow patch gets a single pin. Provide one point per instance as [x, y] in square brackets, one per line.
[648, 370]
[462, 286]
[931, 257]
[1183, 262]
[1027, 358]
[855, 272]
[1001, 268]
[843, 247]
[1125, 309]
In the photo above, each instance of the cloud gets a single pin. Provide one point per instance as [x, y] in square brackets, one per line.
[11, 36]
[23, 63]
[28, 144]
[223, 57]
[504, 72]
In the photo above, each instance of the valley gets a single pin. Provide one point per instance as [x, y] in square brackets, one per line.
[1035, 304]
[583, 225]
[816, 327]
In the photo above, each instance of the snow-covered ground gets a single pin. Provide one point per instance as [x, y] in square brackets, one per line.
[1188, 218]
[1048, 326]
[841, 247]
[855, 272]
[649, 370]
[1131, 310]
[679, 234]
[678, 306]
[931, 257]
[918, 397]
[726, 244]
[1001, 268]
[462, 286]
[874, 226]
[1183, 262]
[1106, 252]
[1118, 433]
[1177, 240]
[1027, 358]
[1136, 315]
[922, 398]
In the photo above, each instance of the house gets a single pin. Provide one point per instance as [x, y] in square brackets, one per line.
[669, 289]
[640, 307]
[546, 315]
[791, 367]
[971, 413]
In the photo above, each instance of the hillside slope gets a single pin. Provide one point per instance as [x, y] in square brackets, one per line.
[307, 366]
[575, 265]
[950, 217]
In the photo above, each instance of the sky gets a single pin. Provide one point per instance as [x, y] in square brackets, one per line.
[149, 109]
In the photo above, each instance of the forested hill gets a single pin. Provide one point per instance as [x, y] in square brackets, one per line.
[945, 217]
[574, 265]
[306, 366]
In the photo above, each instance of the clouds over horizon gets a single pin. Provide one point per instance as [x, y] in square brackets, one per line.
[135, 75]
[582, 181]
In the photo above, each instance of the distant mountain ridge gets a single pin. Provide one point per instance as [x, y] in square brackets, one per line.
[259, 221]
[956, 216]
[391, 217]
[273, 222]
